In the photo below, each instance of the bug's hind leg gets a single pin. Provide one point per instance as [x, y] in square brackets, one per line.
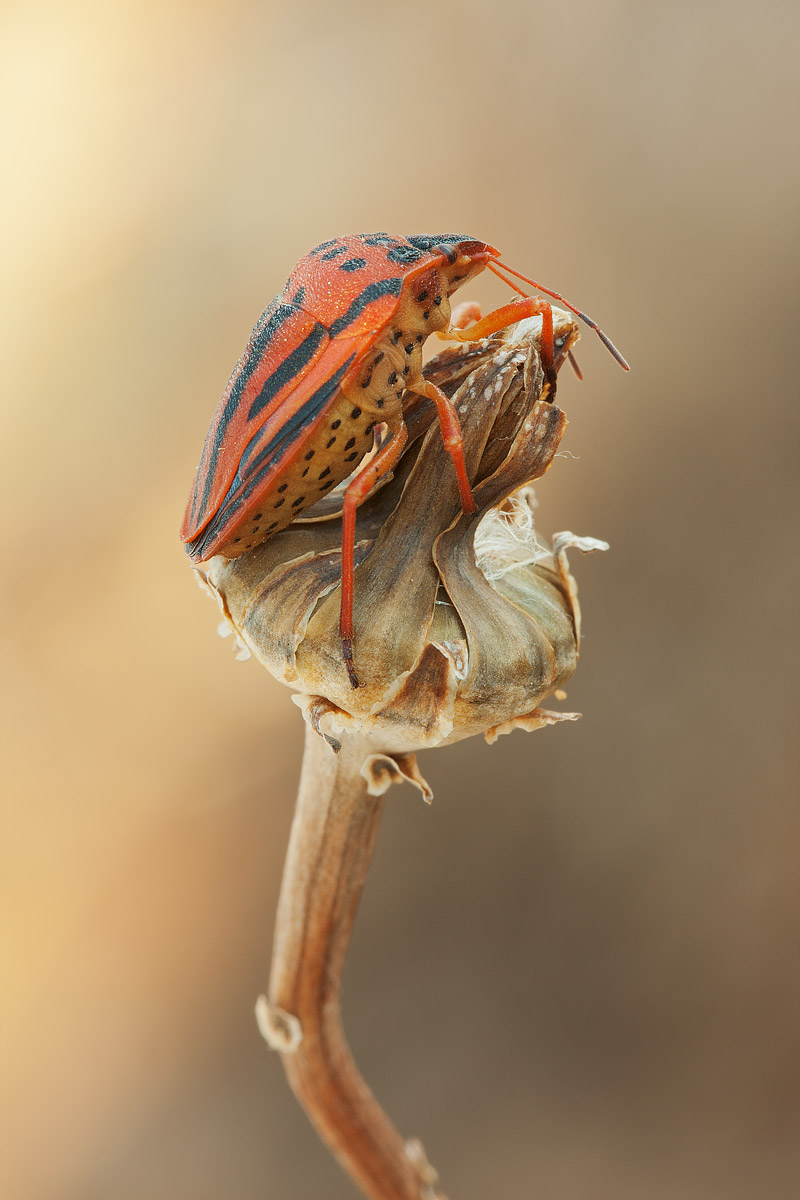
[451, 436]
[357, 490]
[516, 310]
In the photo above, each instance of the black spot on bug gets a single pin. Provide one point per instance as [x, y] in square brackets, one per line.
[392, 379]
[379, 404]
[256, 528]
[324, 474]
[299, 296]
[437, 241]
[370, 427]
[397, 336]
[304, 472]
[404, 254]
[377, 359]
[274, 525]
[237, 539]
[278, 503]
[406, 370]
[457, 278]
[447, 244]
[367, 381]
[437, 300]
[309, 456]
[249, 546]
[352, 264]
[330, 443]
[335, 253]
[283, 487]
[426, 314]
[409, 347]
[335, 424]
[422, 296]
[420, 338]
[330, 483]
[349, 445]
[351, 457]
[258, 516]
[299, 500]
[399, 394]
[322, 246]
[355, 414]
[380, 239]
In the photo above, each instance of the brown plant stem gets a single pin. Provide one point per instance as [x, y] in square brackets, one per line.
[331, 844]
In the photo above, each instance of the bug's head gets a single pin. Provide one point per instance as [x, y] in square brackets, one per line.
[462, 256]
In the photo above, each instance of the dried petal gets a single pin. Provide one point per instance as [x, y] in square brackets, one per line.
[382, 770]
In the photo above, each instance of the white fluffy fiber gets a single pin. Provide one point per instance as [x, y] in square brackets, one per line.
[506, 537]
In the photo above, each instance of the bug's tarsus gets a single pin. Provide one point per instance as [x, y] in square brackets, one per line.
[604, 338]
[347, 654]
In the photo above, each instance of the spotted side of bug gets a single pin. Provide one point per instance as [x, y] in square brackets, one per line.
[329, 359]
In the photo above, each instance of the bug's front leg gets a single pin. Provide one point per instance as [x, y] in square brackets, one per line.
[357, 490]
[464, 314]
[516, 310]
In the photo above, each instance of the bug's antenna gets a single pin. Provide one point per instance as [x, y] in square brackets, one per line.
[609, 345]
[573, 362]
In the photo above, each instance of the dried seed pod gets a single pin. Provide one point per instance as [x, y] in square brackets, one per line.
[447, 643]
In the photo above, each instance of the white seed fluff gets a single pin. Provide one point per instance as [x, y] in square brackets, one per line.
[506, 537]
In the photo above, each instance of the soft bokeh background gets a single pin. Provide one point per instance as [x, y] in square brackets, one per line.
[576, 975]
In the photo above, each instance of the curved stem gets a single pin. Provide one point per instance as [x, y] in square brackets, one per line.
[331, 844]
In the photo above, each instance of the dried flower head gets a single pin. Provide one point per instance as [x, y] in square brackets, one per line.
[463, 624]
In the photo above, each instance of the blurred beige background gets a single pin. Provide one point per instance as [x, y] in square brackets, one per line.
[576, 975]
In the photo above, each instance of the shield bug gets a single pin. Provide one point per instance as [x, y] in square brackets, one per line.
[329, 359]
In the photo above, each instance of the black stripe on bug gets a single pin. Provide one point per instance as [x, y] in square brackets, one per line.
[381, 287]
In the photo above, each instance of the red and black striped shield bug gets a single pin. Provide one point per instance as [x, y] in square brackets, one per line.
[329, 359]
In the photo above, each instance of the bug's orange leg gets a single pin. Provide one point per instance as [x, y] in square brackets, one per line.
[516, 310]
[357, 490]
[465, 314]
[451, 436]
